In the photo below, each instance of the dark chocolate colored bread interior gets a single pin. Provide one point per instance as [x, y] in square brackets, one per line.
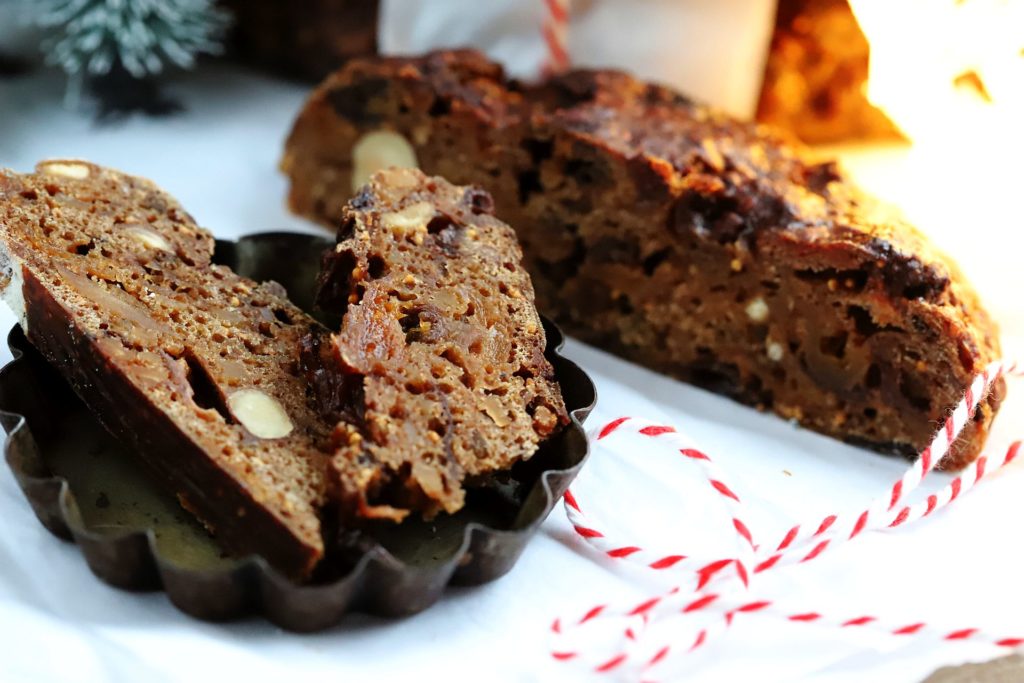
[259, 420]
[677, 237]
[440, 347]
[194, 366]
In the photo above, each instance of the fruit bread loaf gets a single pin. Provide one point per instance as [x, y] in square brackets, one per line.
[247, 408]
[439, 340]
[192, 365]
[675, 236]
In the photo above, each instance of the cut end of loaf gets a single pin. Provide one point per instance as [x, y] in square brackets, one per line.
[680, 238]
[190, 363]
[201, 370]
[439, 369]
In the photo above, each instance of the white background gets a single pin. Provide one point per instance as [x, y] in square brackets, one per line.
[58, 623]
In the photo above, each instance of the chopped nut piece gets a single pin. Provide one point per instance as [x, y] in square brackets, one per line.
[757, 310]
[412, 217]
[496, 411]
[544, 420]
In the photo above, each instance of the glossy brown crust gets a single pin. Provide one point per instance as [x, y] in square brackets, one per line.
[642, 214]
[120, 296]
[438, 375]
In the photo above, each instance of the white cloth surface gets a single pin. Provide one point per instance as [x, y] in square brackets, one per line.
[960, 568]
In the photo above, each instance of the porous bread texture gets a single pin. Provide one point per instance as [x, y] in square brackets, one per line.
[204, 372]
[114, 284]
[440, 345]
[680, 238]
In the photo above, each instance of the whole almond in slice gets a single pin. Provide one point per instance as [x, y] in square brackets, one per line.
[378, 150]
[66, 169]
[261, 414]
[148, 238]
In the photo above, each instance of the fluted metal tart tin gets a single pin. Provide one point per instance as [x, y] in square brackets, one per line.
[86, 487]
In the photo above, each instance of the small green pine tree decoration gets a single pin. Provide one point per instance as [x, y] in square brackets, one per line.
[92, 38]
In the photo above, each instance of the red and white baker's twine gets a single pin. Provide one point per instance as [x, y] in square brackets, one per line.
[700, 596]
[555, 32]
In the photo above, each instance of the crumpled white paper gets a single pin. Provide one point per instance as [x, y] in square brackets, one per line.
[961, 567]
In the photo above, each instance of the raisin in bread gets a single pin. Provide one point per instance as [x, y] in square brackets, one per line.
[440, 349]
[194, 366]
[677, 237]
